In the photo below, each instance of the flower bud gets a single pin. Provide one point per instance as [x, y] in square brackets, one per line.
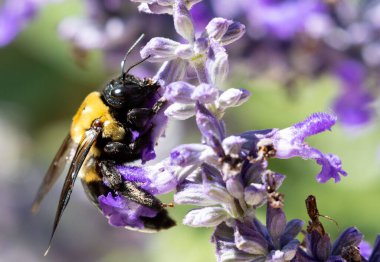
[234, 32]
[182, 21]
[205, 93]
[205, 217]
[180, 111]
[219, 68]
[233, 97]
[160, 49]
[217, 27]
[179, 92]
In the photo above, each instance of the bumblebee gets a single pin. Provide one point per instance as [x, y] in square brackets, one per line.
[101, 136]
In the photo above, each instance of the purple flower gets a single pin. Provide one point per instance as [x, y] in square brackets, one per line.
[319, 247]
[353, 104]
[123, 212]
[15, 15]
[290, 142]
[183, 97]
[281, 19]
[205, 53]
[251, 241]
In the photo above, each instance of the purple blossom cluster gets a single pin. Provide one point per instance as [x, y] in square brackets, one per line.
[226, 176]
[338, 38]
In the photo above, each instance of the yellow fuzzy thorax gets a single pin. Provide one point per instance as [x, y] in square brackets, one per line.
[91, 109]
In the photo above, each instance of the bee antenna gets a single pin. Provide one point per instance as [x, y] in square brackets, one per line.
[139, 62]
[128, 52]
[331, 219]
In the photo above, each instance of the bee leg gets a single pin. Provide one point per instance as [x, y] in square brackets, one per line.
[117, 148]
[127, 189]
[133, 192]
[139, 117]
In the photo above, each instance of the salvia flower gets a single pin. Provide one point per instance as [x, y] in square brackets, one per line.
[183, 97]
[319, 247]
[206, 53]
[353, 104]
[252, 241]
[290, 142]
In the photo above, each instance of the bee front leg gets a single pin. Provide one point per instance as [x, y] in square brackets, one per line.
[128, 189]
[139, 117]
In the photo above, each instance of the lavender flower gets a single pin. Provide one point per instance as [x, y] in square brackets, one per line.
[353, 104]
[290, 142]
[251, 241]
[319, 247]
[281, 19]
[15, 15]
[206, 53]
[183, 97]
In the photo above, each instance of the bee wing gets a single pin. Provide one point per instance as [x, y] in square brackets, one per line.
[55, 169]
[80, 155]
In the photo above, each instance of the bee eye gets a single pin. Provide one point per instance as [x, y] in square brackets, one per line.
[118, 92]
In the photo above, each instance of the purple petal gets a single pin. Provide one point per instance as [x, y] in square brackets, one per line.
[155, 179]
[233, 97]
[331, 168]
[189, 193]
[226, 250]
[314, 124]
[160, 49]
[122, 212]
[255, 194]
[281, 19]
[375, 256]
[14, 16]
[320, 246]
[235, 187]
[182, 21]
[171, 71]
[365, 249]
[188, 154]
[249, 240]
[180, 111]
[290, 249]
[205, 93]
[292, 229]
[234, 32]
[208, 124]
[276, 223]
[217, 27]
[350, 237]
[179, 92]
[353, 104]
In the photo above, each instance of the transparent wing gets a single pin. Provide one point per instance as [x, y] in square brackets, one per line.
[80, 155]
[54, 171]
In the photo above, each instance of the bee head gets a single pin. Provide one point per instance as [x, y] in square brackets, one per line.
[127, 92]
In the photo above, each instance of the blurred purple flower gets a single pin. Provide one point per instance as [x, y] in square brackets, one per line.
[290, 142]
[353, 104]
[281, 18]
[15, 15]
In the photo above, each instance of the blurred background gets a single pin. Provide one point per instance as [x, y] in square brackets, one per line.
[43, 79]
